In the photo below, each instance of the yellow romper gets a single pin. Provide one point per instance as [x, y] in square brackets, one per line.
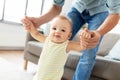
[52, 61]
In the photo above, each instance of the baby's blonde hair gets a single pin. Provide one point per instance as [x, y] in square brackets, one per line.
[65, 18]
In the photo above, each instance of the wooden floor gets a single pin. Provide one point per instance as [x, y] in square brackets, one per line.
[12, 56]
[16, 57]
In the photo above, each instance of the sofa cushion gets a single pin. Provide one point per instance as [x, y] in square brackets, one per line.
[73, 59]
[107, 43]
[34, 47]
[106, 68]
[46, 28]
[115, 51]
[68, 74]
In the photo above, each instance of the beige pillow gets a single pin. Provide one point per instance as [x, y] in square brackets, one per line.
[115, 51]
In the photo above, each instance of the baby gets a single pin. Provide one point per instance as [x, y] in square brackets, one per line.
[56, 47]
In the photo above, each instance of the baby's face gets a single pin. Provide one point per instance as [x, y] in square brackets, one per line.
[60, 30]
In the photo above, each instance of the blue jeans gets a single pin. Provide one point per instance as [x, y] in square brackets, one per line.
[87, 60]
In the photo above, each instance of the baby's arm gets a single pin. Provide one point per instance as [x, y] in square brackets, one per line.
[78, 46]
[33, 31]
[74, 45]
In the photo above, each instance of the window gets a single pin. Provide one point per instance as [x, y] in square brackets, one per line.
[34, 8]
[15, 10]
[47, 5]
[13, 36]
[1, 8]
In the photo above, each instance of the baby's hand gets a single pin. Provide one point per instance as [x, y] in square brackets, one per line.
[83, 47]
[27, 24]
[86, 33]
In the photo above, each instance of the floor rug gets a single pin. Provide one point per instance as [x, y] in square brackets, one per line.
[8, 71]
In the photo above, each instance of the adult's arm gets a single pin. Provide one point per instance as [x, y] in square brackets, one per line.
[113, 18]
[108, 25]
[48, 16]
[110, 22]
[52, 12]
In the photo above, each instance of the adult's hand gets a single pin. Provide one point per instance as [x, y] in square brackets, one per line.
[34, 20]
[90, 42]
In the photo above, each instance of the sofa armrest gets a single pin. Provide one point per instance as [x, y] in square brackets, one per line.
[73, 59]
[106, 44]
[30, 38]
[106, 68]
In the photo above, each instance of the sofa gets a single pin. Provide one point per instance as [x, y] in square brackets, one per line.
[105, 68]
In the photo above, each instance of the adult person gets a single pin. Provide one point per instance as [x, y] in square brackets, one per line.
[93, 12]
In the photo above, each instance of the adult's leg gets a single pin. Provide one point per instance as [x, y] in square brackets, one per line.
[77, 20]
[87, 60]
